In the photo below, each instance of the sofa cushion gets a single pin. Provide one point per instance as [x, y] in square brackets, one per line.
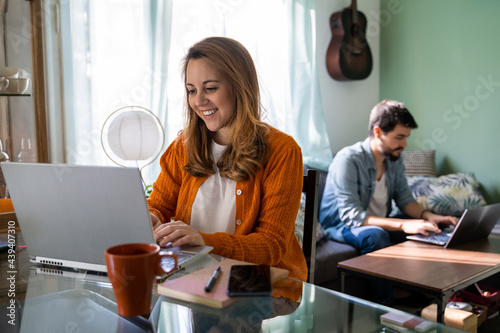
[419, 162]
[328, 254]
[447, 195]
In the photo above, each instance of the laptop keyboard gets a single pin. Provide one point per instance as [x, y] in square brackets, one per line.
[168, 263]
[438, 238]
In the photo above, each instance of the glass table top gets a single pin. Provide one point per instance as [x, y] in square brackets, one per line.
[37, 298]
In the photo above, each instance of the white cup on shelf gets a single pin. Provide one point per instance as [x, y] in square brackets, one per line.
[6, 74]
[14, 80]
[18, 86]
[22, 85]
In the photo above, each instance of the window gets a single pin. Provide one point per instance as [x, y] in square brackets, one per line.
[118, 53]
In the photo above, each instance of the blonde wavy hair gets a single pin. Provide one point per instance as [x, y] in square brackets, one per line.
[248, 149]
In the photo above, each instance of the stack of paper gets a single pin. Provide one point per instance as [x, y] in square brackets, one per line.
[405, 322]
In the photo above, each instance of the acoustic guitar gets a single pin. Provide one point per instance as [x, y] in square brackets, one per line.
[348, 56]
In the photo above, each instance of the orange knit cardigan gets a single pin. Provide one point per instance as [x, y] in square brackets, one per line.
[266, 206]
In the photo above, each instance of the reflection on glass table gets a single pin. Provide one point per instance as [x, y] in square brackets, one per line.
[318, 310]
[77, 301]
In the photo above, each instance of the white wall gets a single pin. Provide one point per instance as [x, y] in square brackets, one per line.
[347, 105]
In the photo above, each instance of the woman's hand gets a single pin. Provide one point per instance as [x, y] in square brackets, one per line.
[179, 233]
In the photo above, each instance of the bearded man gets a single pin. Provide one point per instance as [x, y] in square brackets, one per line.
[364, 179]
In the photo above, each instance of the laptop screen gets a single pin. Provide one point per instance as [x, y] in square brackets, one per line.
[75, 212]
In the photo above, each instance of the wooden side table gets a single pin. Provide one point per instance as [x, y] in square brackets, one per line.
[429, 268]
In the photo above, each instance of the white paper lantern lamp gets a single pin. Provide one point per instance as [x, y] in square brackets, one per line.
[132, 135]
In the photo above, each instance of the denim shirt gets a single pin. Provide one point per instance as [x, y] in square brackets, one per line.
[350, 185]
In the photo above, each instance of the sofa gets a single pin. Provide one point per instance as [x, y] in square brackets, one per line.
[446, 194]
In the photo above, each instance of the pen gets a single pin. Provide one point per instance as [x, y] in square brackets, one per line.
[211, 282]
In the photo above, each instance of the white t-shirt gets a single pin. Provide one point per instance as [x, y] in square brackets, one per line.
[214, 206]
[378, 204]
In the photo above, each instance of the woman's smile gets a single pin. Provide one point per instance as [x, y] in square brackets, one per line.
[209, 112]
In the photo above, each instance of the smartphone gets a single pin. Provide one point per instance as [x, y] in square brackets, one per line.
[249, 280]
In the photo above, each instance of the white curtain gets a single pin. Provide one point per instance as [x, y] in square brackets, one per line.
[308, 125]
[129, 52]
[161, 26]
[106, 65]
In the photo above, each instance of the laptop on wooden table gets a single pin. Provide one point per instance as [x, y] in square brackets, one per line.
[475, 224]
[70, 214]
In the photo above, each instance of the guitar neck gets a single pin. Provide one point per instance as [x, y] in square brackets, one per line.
[354, 12]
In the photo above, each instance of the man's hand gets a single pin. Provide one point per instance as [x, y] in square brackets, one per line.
[179, 233]
[419, 227]
[431, 217]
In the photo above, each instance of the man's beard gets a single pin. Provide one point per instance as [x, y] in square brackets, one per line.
[389, 153]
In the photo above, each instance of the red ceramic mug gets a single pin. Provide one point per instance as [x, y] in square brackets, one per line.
[132, 270]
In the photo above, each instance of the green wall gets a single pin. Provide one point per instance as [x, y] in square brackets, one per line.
[442, 59]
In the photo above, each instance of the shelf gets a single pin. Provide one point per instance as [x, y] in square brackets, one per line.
[16, 95]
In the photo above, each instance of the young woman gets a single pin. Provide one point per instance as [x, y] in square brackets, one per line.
[229, 180]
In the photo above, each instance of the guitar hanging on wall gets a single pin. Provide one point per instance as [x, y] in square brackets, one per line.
[348, 56]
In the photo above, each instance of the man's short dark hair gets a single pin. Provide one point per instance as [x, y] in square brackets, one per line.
[387, 114]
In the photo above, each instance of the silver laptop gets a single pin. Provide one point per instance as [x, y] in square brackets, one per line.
[475, 223]
[69, 215]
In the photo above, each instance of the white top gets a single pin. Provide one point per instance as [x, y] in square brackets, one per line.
[214, 207]
[378, 204]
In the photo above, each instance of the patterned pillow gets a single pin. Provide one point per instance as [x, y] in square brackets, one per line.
[299, 223]
[447, 195]
[419, 162]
